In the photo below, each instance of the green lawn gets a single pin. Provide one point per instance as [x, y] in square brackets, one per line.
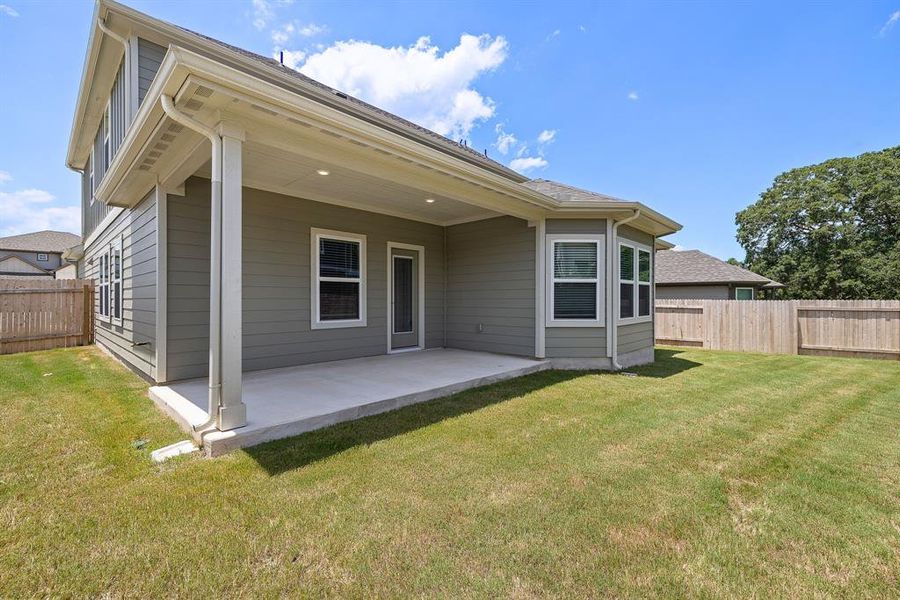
[709, 474]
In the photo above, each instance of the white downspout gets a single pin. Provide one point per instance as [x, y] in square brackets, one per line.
[614, 281]
[127, 64]
[215, 264]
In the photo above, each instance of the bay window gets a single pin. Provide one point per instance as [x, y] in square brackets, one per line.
[575, 281]
[339, 279]
[635, 282]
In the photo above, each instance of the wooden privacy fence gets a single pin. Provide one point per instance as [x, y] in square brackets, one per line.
[39, 315]
[861, 328]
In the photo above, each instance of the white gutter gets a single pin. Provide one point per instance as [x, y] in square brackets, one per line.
[215, 259]
[127, 65]
[613, 337]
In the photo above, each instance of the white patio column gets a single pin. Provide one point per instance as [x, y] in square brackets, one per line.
[232, 412]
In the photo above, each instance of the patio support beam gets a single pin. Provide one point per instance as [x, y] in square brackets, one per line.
[232, 411]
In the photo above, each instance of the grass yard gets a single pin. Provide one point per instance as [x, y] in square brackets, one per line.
[709, 474]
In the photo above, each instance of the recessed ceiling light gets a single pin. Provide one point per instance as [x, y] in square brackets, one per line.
[429, 200]
[322, 172]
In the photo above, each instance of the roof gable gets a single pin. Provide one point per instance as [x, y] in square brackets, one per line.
[14, 264]
[693, 266]
[40, 241]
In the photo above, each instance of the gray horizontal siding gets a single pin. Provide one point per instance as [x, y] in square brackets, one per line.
[150, 56]
[575, 342]
[635, 336]
[557, 226]
[490, 281]
[276, 281]
[693, 292]
[137, 229]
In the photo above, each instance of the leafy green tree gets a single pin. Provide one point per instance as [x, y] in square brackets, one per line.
[829, 231]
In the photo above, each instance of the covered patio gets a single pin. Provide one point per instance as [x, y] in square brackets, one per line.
[294, 400]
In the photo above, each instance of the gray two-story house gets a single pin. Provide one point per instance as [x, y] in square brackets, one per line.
[276, 255]
[36, 255]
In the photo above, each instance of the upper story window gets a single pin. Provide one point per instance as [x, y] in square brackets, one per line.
[635, 282]
[339, 279]
[42, 257]
[575, 281]
[105, 136]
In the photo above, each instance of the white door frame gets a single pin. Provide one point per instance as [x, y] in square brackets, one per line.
[390, 295]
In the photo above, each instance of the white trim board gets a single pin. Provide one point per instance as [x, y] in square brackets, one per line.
[390, 291]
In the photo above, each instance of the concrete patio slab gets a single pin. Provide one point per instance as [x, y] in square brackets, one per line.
[293, 400]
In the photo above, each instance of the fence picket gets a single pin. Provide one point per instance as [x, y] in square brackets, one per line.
[39, 315]
[861, 328]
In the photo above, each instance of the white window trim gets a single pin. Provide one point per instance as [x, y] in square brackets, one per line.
[103, 285]
[317, 234]
[106, 124]
[116, 249]
[92, 178]
[550, 279]
[390, 290]
[634, 281]
[752, 292]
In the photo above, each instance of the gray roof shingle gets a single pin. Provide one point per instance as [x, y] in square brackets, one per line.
[561, 191]
[40, 241]
[693, 266]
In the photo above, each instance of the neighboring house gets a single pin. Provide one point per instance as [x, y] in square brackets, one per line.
[37, 254]
[320, 228]
[694, 275]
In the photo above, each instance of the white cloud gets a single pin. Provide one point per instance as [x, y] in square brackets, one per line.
[522, 150]
[418, 82]
[264, 11]
[9, 11]
[312, 29]
[505, 140]
[546, 136]
[528, 163]
[633, 96]
[282, 35]
[678, 248]
[582, 28]
[5, 177]
[34, 210]
[892, 20]
[554, 34]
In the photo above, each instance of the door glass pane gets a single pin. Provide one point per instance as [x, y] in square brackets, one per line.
[575, 260]
[643, 266]
[574, 300]
[626, 300]
[338, 300]
[338, 258]
[403, 295]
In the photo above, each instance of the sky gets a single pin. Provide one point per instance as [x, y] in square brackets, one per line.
[692, 108]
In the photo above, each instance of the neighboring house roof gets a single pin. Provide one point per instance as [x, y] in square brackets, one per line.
[681, 267]
[40, 241]
[563, 192]
[13, 265]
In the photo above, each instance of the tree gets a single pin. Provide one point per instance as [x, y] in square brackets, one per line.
[829, 231]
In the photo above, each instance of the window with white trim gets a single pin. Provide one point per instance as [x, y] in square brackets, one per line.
[575, 281]
[115, 280]
[635, 282]
[43, 257]
[109, 283]
[103, 286]
[106, 133]
[743, 293]
[339, 279]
